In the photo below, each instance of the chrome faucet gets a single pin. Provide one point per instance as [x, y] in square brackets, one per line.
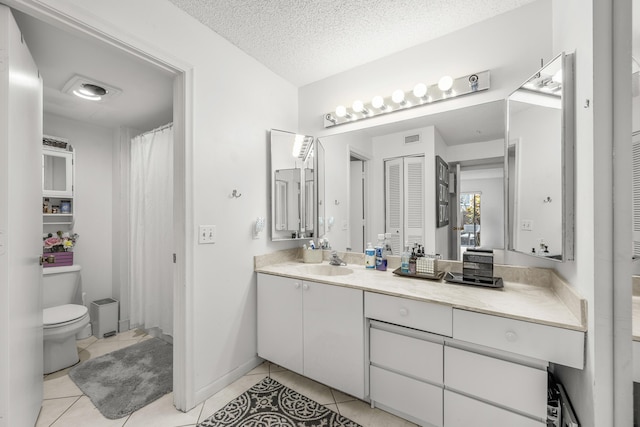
[335, 260]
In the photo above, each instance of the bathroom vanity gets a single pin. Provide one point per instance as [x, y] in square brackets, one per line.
[434, 353]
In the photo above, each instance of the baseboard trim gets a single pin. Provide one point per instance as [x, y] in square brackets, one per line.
[214, 387]
[123, 325]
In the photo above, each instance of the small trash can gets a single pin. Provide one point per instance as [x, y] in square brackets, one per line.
[104, 317]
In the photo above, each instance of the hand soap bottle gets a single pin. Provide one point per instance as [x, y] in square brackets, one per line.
[404, 260]
[369, 256]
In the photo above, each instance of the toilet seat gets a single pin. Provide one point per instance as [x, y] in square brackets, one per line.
[54, 317]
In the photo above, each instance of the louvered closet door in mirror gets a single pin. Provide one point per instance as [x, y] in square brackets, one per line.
[636, 194]
[404, 201]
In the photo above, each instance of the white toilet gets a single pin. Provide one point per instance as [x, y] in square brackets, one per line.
[63, 316]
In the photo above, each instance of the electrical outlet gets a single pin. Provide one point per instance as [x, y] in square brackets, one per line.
[206, 234]
[526, 225]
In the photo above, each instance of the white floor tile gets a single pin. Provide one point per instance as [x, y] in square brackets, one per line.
[86, 342]
[340, 397]
[58, 385]
[52, 409]
[262, 368]
[333, 407]
[227, 394]
[84, 414]
[162, 413]
[313, 390]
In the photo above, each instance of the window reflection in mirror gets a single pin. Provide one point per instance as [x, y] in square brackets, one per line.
[539, 162]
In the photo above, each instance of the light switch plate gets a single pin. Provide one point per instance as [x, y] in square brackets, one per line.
[526, 225]
[206, 234]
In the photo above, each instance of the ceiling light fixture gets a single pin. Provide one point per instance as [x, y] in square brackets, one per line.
[90, 89]
[446, 88]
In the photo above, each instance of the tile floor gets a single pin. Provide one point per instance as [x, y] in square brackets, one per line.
[65, 405]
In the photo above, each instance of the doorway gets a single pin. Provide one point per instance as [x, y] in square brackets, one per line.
[470, 211]
[180, 87]
[357, 202]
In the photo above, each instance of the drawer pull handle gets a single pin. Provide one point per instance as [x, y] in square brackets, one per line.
[404, 311]
[296, 285]
[305, 287]
[511, 336]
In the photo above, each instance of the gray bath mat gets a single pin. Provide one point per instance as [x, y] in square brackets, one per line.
[125, 380]
[269, 403]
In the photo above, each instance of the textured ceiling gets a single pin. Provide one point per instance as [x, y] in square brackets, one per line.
[308, 40]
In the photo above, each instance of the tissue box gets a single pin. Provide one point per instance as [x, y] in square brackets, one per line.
[61, 259]
[477, 265]
[313, 256]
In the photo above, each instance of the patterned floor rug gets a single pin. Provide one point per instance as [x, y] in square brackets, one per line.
[269, 403]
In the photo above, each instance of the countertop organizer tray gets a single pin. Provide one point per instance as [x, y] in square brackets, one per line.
[439, 275]
[496, 282]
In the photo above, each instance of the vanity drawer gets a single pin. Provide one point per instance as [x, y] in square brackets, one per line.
[508, 384]
[412, 397]
[408, 355]
[421, 315]
[462, 411]
[548, 343]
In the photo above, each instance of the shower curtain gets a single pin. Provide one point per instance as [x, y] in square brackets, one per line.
[151, 230]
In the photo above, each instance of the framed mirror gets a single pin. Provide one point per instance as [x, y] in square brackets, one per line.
[539, 163]
[57, 172]
[295, 184]
[383, 179]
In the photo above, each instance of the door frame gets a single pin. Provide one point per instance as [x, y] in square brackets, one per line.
[354, 152]
[183, 94]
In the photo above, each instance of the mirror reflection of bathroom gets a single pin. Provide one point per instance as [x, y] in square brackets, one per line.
[391, 182]
[107, 199]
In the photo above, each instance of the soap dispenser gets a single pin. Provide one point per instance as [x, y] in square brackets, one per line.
[370, 257]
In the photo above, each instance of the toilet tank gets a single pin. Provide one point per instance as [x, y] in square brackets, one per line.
[61, 285]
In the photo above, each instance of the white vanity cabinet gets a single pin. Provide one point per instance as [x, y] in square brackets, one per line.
[406, 339]
[314, 329]
[439, 366]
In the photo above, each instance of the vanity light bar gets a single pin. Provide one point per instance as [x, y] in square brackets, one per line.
[421, 94]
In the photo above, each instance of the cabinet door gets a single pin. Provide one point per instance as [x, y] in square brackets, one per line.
[280, 321]
[334, 337]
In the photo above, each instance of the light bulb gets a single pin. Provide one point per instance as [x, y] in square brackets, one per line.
[445, 83]
[398, 96]
[378, 102]
[341, 111]
[358, 107]
[420, 90]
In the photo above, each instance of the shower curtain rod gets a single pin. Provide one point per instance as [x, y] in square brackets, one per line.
[158, 129]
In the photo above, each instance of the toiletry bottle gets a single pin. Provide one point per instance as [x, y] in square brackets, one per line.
[379, 250]
[370, 256]
[383, 260]
[404, 261]
[412, 262]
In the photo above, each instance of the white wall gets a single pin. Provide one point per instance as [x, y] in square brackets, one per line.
[337, 149]
[509, 45]
[93, 195]
[538, 178]
[235, 102]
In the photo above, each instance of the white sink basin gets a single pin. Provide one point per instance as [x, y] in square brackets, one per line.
[325, 270]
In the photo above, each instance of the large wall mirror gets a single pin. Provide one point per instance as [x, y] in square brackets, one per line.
[383, 179]
[297, 186]
[539, 160]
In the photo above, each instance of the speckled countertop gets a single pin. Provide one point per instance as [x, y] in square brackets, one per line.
[530, 294]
